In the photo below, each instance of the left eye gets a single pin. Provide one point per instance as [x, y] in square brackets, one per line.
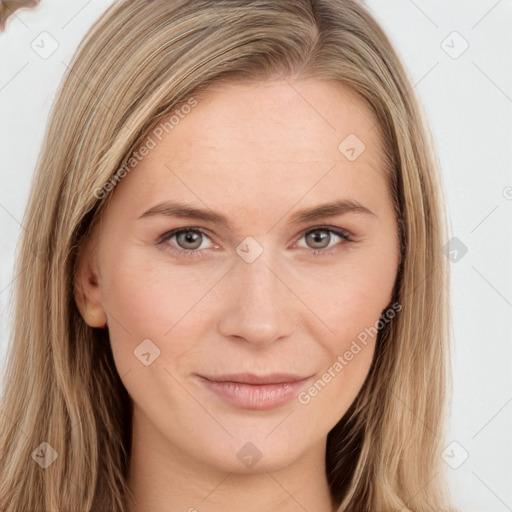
[188, 240]
[190, 237]
[186, 236]
[322, 235]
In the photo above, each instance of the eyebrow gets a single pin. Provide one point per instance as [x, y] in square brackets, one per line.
[331, 209]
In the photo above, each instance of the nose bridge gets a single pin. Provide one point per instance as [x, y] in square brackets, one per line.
[260, 284]
[257, 301]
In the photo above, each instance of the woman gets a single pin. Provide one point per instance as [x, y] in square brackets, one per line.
[258, 367]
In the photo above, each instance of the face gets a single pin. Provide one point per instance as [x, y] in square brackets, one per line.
[234, 331]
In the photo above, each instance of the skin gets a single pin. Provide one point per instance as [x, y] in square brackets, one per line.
[257, 153]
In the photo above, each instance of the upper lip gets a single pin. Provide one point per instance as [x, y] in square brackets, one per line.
[251, 378]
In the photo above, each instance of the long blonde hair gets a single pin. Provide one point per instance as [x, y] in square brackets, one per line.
[138, 63]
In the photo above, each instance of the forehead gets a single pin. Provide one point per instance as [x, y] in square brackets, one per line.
[274, 119]
[255, 146]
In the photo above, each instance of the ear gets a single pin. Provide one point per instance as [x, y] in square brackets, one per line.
[87, 287]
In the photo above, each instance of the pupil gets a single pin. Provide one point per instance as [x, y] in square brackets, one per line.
[189, 237]
[318, 236]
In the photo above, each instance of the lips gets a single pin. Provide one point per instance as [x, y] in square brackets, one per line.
[249, 391]
[250, 378]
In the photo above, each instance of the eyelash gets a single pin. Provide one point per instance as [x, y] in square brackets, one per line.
[199, 254]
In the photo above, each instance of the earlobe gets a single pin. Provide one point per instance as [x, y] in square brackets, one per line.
[87, 292]
[91, 310]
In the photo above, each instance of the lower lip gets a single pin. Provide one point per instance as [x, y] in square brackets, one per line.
[251, 396]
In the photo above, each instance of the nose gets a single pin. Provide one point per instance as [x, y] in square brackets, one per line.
[259, 306]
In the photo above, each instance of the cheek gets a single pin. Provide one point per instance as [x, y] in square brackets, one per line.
[350, 306]
[150, 298]
[335, 389]
[349, 297]
[349, 300]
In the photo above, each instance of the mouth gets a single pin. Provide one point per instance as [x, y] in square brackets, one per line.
[249, 391]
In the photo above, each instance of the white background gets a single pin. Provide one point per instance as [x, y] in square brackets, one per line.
[468, 101]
